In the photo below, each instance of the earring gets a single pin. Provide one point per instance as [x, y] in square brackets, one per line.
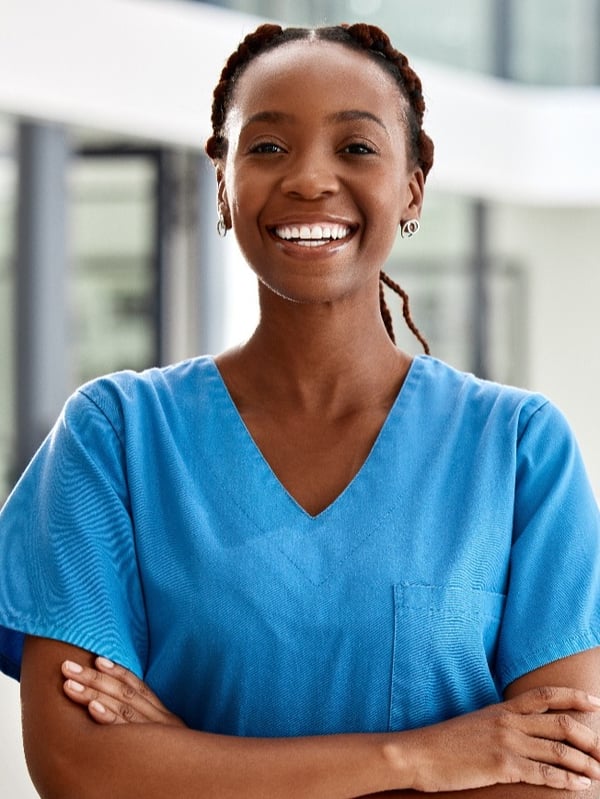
[221, 226]
[409, 228]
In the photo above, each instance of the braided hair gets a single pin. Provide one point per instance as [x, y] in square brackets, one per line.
[368, 39]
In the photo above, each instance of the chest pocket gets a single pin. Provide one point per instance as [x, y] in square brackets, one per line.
[444, 646]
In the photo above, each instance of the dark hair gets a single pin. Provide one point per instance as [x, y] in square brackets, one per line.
[365, 38]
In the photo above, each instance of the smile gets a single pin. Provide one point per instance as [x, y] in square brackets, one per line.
[316, 235]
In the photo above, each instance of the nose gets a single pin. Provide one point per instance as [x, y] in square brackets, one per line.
[310, 175]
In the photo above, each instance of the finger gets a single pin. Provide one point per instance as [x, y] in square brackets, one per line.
[561, 727]
[127, 677]
[553, 777]
[103, 715]
[98, 704]
[118, 696]
[557, 778]
[566, 758]
[544, 698]
[118, 690]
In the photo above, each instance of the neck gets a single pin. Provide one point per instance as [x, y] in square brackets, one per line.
[319, 355]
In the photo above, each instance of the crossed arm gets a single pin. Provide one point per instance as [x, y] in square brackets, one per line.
[96, 731]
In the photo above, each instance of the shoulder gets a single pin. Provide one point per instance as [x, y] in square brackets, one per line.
[462, 395]
[121, 398]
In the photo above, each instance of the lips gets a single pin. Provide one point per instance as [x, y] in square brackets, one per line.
[312, 235]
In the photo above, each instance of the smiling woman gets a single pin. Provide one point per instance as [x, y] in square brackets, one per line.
[313, 566]
[339, 161]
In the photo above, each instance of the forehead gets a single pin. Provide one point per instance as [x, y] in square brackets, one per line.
[314, 71]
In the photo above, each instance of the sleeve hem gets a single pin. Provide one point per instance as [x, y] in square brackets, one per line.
[543, 655]
[19, 629]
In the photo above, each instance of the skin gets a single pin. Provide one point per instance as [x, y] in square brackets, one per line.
[313, 385]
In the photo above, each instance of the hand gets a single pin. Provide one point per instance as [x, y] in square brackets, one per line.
[114, 695]
[514, 741]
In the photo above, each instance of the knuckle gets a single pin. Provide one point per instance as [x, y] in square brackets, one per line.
[505, 719]
[128, 692]
[560, 750]
[545, 692]
[553, 777]
[503, 760]
[96, 676]
[143, 690]
[564, 722]
[126, 712]
[546, 771]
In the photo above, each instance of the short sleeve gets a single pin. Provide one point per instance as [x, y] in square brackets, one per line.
[67, 548]
[553, 601]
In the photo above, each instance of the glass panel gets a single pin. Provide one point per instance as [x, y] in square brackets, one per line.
[553, 41]
[556, 42]
[8, 174]
[113, 285]
[435, 267]
[461, 38]
[428, 267]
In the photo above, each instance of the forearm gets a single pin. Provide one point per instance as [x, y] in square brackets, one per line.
[134, 747]
[154, 762]
[151, 760]
[71, 756]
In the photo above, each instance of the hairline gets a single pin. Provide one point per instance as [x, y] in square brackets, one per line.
[311, 36]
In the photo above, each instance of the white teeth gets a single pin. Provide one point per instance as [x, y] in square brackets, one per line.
[316, 233]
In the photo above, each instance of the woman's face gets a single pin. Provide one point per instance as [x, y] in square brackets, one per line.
[316, 179]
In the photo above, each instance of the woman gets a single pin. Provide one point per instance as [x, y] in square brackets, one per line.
[343, 570]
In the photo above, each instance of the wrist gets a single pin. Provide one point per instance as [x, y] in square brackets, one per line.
[398, 754]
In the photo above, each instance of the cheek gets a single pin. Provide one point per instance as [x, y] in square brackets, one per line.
[245, 194]
[386, 212]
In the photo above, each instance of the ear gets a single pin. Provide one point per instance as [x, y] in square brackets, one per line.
[415, 191]
[222, 201]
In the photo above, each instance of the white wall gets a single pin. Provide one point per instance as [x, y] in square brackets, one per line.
[14, 780]
[560, 251]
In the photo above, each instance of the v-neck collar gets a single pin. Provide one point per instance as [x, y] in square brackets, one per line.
[238, 435]
[317, 546]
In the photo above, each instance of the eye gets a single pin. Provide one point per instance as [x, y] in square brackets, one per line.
[359, 148]
[266, 148]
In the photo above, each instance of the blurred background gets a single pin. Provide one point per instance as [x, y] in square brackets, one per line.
[109, 257]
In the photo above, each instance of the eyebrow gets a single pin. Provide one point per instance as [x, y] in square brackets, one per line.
[355, 113]
[339, 116]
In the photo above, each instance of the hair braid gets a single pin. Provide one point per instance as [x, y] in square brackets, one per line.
[370, 40]
[252, 45]
[385, 313]
[405, 310]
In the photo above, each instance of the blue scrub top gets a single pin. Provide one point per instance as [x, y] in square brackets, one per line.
[150, 529]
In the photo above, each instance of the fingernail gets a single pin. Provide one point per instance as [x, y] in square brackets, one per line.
[97, 706]
[108, 664]
[73, 667]
[594, 700]
[75, 686]
[585, 782]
